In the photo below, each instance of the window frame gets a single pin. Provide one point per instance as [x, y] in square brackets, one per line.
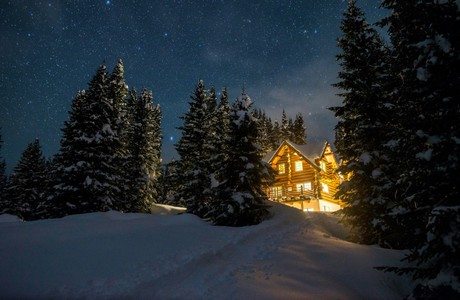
[281, 168]
[306, 186]
[298, 163]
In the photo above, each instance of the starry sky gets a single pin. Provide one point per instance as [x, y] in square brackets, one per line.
[282, 52]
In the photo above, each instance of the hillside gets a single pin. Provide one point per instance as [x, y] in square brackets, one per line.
[115, 255]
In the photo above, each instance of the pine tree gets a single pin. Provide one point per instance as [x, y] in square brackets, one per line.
[194, 149]
[87, 177]
[298, 131]
[144, 148]
[426, 60]
[276, 136]
[362, 132]
[243, 177]
[285, 133]
[27, 185]
[265, 131]
[223, 129]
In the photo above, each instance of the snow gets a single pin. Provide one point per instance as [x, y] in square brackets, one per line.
[6, 218]
[426, 155]
[141, 256]
[365, 158]
[422, 74]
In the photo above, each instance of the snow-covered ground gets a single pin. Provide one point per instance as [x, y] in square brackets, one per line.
[115, 255]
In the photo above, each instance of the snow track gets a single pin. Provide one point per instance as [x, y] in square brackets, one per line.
[139, 256]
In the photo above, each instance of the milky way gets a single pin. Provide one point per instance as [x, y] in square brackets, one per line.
[283, 52]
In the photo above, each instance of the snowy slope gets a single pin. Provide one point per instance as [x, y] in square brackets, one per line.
[114, 255]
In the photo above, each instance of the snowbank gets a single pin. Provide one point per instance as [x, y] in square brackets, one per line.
[115, 255]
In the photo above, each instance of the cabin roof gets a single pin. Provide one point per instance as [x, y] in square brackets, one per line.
[310, 151]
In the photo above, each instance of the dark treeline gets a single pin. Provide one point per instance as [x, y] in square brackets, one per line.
[110, 152]
[220, 175]
[398, 135]
[109, 157]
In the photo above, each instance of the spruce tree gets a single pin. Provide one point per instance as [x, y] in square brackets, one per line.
[244, 176]
[284, 130]
[222, 133]
[27, 185]
[144, 150]
[298, 130]
[361, 133]
[87, 177]
[276, 136]
[265, 131]
[194, 149]
[426, 60]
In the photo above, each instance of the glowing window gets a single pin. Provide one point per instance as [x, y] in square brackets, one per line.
[298, 166]
[301, 187]
[281, 169]
[325, 187]
[276, 192]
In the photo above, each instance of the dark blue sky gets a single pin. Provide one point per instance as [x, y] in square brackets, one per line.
[283, 52]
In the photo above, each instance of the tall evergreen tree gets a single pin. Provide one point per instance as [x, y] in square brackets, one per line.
[285, 133]
[298, 130]
[426, 63]
[195, 193]
[86, 175]
[241, 194]
[27, 185]
[276, 136]
[362, 132]
[144, 150]
[222, 133]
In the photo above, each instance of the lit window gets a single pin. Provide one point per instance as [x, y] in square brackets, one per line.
[281, 169]
[298, 166]
[322, 165]
[301, 187]
[276, 192]
[325, 187]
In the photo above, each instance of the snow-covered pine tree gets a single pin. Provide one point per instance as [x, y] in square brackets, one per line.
[222, 132]
[27, 184]
[362, 131]
[86, 175]
[3, 179]
[426, 66]
[117, 92]
[244, 176]
[193, 168]
[298, 130]
[144, 151]
[265, 127]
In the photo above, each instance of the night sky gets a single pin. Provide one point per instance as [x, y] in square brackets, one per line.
[283, 52]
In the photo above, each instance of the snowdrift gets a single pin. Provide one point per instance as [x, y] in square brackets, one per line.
[116, 255]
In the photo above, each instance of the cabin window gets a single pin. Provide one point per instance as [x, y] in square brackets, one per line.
[325, 187]
[281, 169]
[298, 166]
[276, 192]
[302, 187]
[322, 165]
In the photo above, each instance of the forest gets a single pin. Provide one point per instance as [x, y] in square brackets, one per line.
[397, 136]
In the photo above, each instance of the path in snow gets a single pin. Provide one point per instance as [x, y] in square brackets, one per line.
[114, 255]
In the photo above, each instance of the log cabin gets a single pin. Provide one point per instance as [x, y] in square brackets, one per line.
[306, 176]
